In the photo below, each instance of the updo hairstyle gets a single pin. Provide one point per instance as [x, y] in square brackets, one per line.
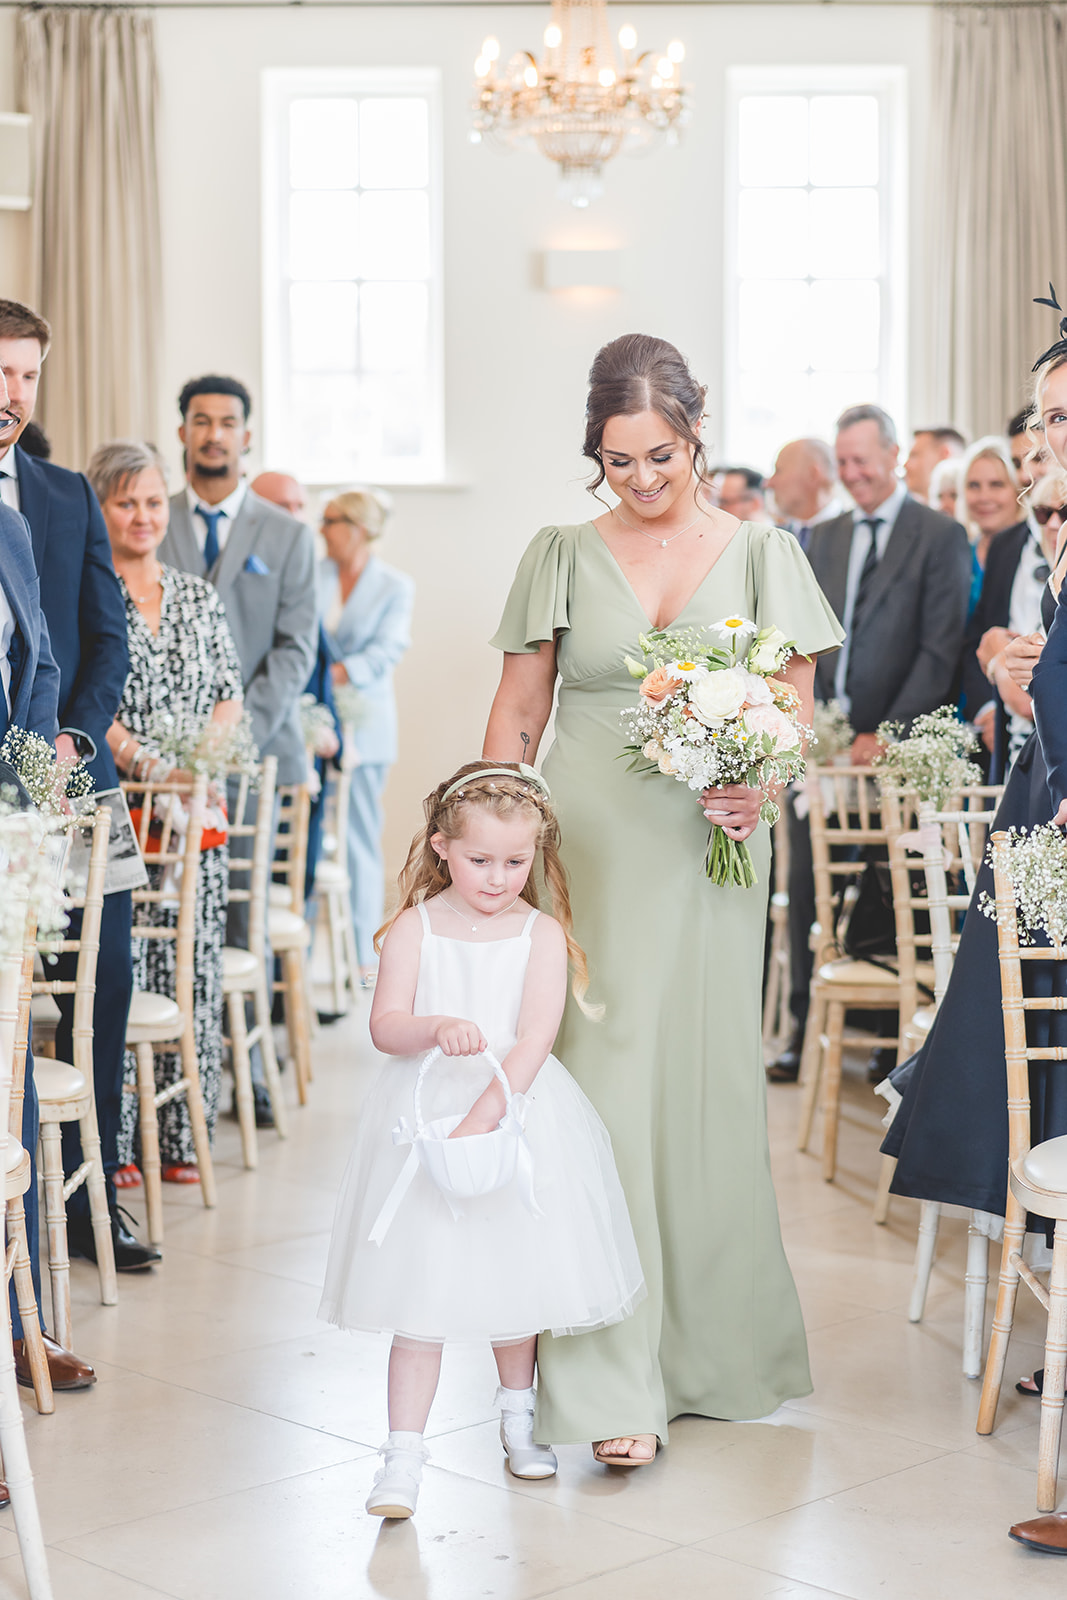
[638, 373]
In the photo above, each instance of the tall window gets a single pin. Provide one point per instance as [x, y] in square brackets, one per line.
[816, 252]
[352, 289]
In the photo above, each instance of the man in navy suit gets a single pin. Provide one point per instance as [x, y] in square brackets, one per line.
[86, 617]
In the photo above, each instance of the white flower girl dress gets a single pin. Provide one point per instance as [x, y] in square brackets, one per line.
[505, 1265]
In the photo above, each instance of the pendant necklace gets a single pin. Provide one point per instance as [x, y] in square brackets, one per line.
[474, 925]
[663, 543]
[143, 599]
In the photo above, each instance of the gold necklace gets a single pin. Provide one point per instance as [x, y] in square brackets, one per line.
[474, 926]
[663, 543]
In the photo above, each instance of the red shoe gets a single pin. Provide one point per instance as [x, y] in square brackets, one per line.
[180, 1174]
[128, 1177]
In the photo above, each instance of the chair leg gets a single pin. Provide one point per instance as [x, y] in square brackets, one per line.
[18, 1476]
[925, 1246]
[335, 926]
[976, 1283]
[296, 1020]
[881, 1199]
[1003, 1316]
[26, 1300]
[194, 1102]
[348, 934]
[831, 1087]
[811, 1065]
[149, 1129]
[1048, 1446]
[51, 1150]
[242, 1078]
[100, 1216]
[262, 1004]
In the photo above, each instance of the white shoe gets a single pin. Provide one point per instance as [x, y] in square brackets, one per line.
[525, 1459]
[397, 1480]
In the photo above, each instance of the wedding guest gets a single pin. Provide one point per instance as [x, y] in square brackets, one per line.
[83, 608]
[282, 489]
[899, 575]
[1028, 452]
[928, 447]
[261, 562]
[183, 668]
[366, 610]
[739, 492]
[802, 486]
[945, 487]
[674, 1067]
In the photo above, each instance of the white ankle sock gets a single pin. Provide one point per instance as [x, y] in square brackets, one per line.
[404, 1441]
[512, 1401]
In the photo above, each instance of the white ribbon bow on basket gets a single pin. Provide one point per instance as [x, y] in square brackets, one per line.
[463, 1169]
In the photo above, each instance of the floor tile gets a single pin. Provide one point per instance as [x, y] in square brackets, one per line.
[690, 1575]
[75, 1579]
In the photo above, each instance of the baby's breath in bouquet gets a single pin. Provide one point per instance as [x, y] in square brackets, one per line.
[933, 760]
[28, 872]
[712, 712]
[1038, 864]
[214, 749]
[350, 704]
[834, 734]
[316, 724]
[48, 781]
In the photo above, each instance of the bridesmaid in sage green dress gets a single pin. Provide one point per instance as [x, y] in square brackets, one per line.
[675, 1067]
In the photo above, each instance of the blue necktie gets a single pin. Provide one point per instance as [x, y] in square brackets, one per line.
[211, 542]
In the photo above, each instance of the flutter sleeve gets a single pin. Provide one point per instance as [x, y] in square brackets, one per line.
[538, 606]
[787, 594]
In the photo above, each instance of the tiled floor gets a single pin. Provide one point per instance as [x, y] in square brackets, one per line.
[228, 1445]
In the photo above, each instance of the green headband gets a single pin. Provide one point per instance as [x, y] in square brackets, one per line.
[525, 774]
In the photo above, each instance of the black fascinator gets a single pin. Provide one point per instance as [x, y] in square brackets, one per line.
[1060, 347]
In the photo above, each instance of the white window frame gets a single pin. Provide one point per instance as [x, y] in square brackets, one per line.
[888, 84]
[281, 86]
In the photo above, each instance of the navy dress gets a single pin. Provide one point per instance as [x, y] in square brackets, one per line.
[950, 1133]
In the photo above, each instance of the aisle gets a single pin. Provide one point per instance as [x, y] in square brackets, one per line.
[229, 1444]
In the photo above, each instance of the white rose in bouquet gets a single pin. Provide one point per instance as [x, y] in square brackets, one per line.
[718, 696]
[757, 692]
[766, 650]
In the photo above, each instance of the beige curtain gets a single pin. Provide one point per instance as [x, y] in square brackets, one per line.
[89, 83]
[997, 206]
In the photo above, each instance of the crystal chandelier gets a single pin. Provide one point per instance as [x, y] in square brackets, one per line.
[580, 105]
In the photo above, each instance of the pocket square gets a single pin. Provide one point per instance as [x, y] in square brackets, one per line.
[254, 564]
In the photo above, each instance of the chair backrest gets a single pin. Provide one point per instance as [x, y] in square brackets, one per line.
[250, 874]
[87, 946]
[291, 841]
[850, 796]
[952, 843]
[1015, 1005]
[910, 905]
[16, 980]
[169, 819]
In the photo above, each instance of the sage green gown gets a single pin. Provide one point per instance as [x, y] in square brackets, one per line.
[675, 1068]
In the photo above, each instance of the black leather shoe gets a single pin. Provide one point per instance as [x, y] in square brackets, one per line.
[130, 1254]
[786, 1069]
[264, 1114]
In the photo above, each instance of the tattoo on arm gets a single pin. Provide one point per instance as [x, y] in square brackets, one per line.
[525, 737]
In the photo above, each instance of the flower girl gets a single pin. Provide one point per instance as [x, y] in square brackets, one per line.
[432, 1238]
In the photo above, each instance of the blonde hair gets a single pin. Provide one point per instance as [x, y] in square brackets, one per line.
[425, 874]
[365, 508]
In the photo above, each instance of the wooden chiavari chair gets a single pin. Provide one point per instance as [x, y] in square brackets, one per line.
[333, 884]
[288, 932]
[776, 1018]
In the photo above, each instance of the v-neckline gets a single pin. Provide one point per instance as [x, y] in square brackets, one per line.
[617, 564]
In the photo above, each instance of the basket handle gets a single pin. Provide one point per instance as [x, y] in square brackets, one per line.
[428, 1061]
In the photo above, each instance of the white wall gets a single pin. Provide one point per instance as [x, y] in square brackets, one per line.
[516, 356]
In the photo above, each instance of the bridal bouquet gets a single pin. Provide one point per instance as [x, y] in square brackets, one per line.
[712, 712]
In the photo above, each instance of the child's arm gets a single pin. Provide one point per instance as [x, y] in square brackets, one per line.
[393, 1028]
[543, 997]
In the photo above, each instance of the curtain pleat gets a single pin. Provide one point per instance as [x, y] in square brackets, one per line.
[90, 86]
[996, 206]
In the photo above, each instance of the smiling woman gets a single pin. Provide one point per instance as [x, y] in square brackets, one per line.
[675, 1066]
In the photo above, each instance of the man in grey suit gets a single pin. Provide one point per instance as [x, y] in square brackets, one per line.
[262, 562]
[898, 574]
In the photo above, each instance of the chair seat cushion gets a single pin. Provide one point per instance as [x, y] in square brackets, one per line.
[1045, 1166]
[57, 1080]
[858, 972]
[285, 930]
[18, 1168]
[238, 966]
[330, 875]
[923, 1020]
[152, 1016]
[279, 894]
[44, 1011]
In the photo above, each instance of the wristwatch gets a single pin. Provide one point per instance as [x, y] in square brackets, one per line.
[84, 746]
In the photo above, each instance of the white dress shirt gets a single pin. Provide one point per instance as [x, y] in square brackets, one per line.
[9, 494]
[885, 516]
[229, 508]
[1027, 588]
[9, 480]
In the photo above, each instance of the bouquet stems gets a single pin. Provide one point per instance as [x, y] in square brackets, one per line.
[729, 864]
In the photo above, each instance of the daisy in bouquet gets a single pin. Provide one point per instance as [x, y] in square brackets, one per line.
[712, 712]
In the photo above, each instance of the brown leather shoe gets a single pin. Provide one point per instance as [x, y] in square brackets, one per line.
[67, 1371]
[1043, 1533]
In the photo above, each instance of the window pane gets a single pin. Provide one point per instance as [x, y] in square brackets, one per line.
[396, 144]
[832, 392]
[399, 402]
[772, 233]
[844, 327]
[323, 147]
[773, 334]
[393, 326]
[395, 231]
[768, 415]
[323, 323]
[844, 233]
[323, 235]
[844, 139]
[328, 423]
[773, 137]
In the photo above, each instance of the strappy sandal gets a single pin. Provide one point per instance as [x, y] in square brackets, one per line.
[608, 1460]
[1033, 1385]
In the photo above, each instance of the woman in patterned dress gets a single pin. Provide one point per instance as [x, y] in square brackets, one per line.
[183, 666]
